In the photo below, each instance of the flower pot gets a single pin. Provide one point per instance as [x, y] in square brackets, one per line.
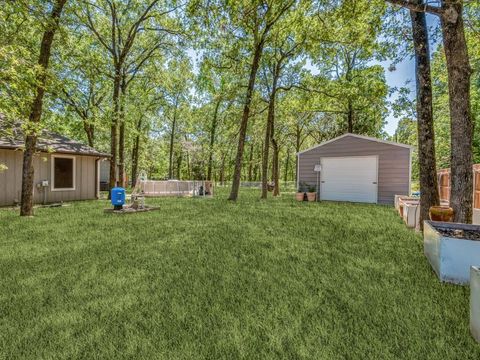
[441, 213]
[400, 201]
[299, 196]
[311, 196]
[411, 213]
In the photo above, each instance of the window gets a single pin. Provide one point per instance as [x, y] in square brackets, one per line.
[63, 173]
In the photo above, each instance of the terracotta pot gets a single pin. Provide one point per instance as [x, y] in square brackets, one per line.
[441, 213]
[299, 196]
[311, 196]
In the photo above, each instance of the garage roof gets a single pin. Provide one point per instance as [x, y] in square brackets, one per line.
[369, 138]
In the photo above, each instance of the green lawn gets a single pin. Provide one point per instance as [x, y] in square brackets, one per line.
[211, 279]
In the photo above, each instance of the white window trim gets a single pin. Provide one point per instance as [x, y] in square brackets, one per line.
[53, 157]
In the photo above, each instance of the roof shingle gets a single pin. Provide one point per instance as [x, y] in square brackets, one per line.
[48, 141]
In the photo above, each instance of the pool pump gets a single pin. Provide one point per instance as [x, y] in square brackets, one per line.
[117, 198]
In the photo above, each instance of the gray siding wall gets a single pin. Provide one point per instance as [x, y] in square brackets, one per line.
[11, 179]
[393, 164]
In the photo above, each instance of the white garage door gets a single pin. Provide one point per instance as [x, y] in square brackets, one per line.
[349, 179]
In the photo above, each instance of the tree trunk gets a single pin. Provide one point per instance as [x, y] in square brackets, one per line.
[276, 167]
[172, 139]
[243, 126]
[121, 138]
[350, 117]
[287, 164]
[189, 168]
[114, 130]
[135, 153]
[426, 137]
[121, 155]
[179, 166]
[266, 149]
[90, 131]
[36, 109]
[213, 130]
[459, 73]
[269, 130]
[222, 171]
[298, 134]
[250, 161]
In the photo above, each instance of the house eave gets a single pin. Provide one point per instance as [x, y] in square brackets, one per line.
[363, 137]
[100, 155]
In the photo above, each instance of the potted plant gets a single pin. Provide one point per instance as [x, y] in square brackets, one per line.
[441, 213]
[300, 195]
[311, 194]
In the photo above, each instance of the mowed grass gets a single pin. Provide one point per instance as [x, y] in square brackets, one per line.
[212, 279]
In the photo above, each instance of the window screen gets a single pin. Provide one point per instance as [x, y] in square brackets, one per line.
[63, 170]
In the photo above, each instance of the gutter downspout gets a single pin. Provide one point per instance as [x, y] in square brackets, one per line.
[97, 178]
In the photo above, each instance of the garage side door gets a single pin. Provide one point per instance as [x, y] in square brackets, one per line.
[349, 179]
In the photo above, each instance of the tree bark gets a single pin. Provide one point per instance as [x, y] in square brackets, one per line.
[213, 130]
[172, 139]
[269, 129]
[459, 73]
[114, 130]
[250, 161]
[266, 149]
[26, 208]
[222, 171]
[121, 138]
[276, 167]
[429, 195]
[179, 166]
[350, 117]
[90, 131]
[135, 153]
[461, 124]
[190, 169]
[257, 55]
[298, 133]
[287, 164]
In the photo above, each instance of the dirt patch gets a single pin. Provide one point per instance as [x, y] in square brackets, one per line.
[460, 234]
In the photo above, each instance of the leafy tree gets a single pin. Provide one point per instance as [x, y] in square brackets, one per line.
[32, 126]
[459, 71]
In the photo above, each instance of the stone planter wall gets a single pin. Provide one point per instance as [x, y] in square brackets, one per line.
[411, 213]
[451, 258]
[475, 302]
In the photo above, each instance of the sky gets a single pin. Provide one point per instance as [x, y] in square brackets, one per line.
[404, 72]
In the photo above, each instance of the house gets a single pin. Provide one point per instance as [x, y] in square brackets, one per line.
[357, 168]
[65, 169]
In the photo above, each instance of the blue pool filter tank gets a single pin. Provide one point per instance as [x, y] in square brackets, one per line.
[118, 197]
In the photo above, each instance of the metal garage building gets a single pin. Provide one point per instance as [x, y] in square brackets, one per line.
[357, 168]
